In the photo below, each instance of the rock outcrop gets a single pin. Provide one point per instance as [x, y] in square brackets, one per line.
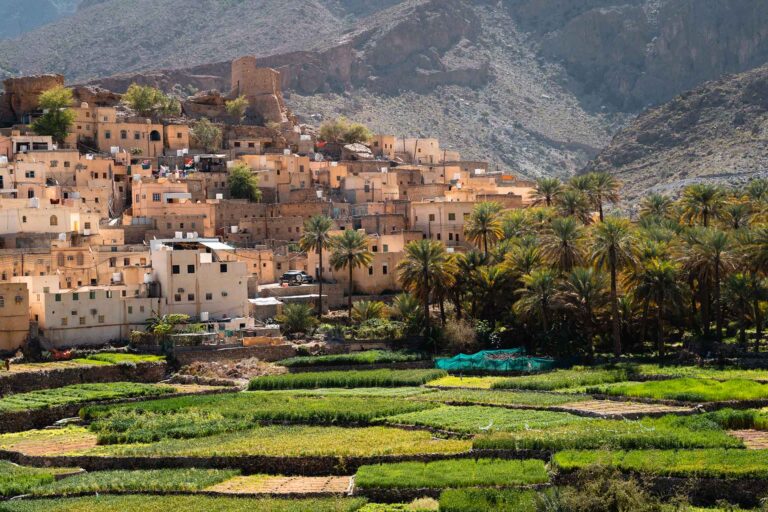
[21, 95]
[717, 132]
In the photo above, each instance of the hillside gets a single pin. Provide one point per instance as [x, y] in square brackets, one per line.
[538, 86]
[716, 132]
[20, 16]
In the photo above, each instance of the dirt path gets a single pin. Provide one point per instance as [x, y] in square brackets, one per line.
[753, 439]
[259, 484]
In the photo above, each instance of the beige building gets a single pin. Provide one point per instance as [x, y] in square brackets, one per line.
[14, 316]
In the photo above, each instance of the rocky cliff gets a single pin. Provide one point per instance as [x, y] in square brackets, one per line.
[717, 132]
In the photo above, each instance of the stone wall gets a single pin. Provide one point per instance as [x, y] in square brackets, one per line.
[60, 377]
[270, 353]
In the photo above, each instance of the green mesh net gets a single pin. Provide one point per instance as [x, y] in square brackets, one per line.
[501, 361]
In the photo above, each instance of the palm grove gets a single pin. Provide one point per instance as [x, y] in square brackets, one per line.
[564, 278]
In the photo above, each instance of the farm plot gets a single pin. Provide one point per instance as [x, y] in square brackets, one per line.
[15, 480]
[348, 379]
[565, 379]
[500, 398]
[277, 485]
[688, 390]
[452, 474]
[478, 419]
[666, 432]
[356, 358]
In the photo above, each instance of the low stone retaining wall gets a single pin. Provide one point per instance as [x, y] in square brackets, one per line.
[393, 495]
[267, 353]
[41, 418]
[59, 377]
[704, 492]
[257, 464]
[413, 365]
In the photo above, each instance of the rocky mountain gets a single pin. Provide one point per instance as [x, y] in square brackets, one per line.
[539, 85]
[20, 16]
[717, 132]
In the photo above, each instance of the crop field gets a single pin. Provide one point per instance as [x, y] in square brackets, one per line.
[80, 393]
[367, 357]
[688, 390]
[349, 379]
[469, 443]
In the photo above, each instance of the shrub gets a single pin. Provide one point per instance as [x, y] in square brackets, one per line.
[297, 318]
[365, 310]
[350, 379]
[367, 357]
[379, 329]
[459, 337]
[452, 473]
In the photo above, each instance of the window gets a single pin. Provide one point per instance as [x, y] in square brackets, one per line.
[123, 134]
[30, 195]
[451, 216]
[190, 297]
[431, 217]
[101, 319]
[113, 262]
[375, 248]
[66, 164]
[80, 259]
[386, 248]
[64, 321]
[136, 136]
[58, 297]
[370, 271]
[176, 269]
[130, 310]
[223, 268]
[177, 297]
[82, 320]
[156, 197]
[208, 296]
[126, 262]
[107, 134]
[92, 295]
[385, 270]
[225, 294]
[190, 269]
[75, 296]
[141, 309]
[54, 220]
[109, 294]
[2, 301]
[29, 174]
[24, 219]
[237, 144]
[87, 225]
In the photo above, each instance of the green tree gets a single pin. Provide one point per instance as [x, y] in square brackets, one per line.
[741, 290]
[426, 267]
[561, 245]
[603, 188]
[736, 214]
[148, 101]
[297, 318]
[656, 205]
[243, 183]
[407, 308]
[350, 251]
[537, 296]
[317, 238]
[584, 294]
[236, 108]
[57, 116]
[613, 248]
[574, 203]
[663, 285]
[484, 226]
[206, 135]
[365, 310]
[342, 131]
[701, 203]
[547, 191]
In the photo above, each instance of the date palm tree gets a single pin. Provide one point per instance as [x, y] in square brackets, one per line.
[350, 251]
[584, 294]
[737, 214]
[537, 296]
[663, 285]
[574, 203]
[317, 238]
[484, 226]
[547, 191]
[614, 248]
[560, 247]
[656, 205]
[701, 203]
[426, 267]
[740, 292]
[604, 188]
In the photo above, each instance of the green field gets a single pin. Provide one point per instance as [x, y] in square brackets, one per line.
[452, 474]
[474, 500]
[564, 379]
[79, 393]
[688, 390]
[717, 463]
[15, 480]
[367, 357]
[350, 379]
[492, 397]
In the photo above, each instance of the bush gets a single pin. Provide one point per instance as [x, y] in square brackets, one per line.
[460, 337]
[474, 500]
[365, 310]
[297, 318]
[350, 379]
[452, 473]
[379, 329]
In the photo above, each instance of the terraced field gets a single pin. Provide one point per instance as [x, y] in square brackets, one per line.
[354, 440]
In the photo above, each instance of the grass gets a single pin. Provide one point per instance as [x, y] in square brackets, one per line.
[16, 480]
[200, 416]
[564, 379]
[149, 480]
[182, 503]
[688, 390]
[453, 381]
[452, 474]
[491, 397]
[295, 441]
[348, 379]
[367, 357]
[473, 500]
[662, 433]
[79, 393]
[419, 505]
[478, 419]
[697, 372]
[119, 358]
[402, 392]
[717, 463]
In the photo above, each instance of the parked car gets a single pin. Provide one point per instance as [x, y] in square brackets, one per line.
[296, 278]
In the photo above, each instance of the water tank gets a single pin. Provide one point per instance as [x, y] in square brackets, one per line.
[204, 316]
[219, 196]
[34, 202]
[117, 277]
[178, 234]
[234, 229]
[190, 236]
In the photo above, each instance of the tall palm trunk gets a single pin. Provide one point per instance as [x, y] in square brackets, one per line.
[644, 320]
[616, 328]
[706, 306]
[349, 293]
[485, 243]
[320, 282]
[425, 298]
[694, 311]
[590, 336]
[718, 306]
[660, 324]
